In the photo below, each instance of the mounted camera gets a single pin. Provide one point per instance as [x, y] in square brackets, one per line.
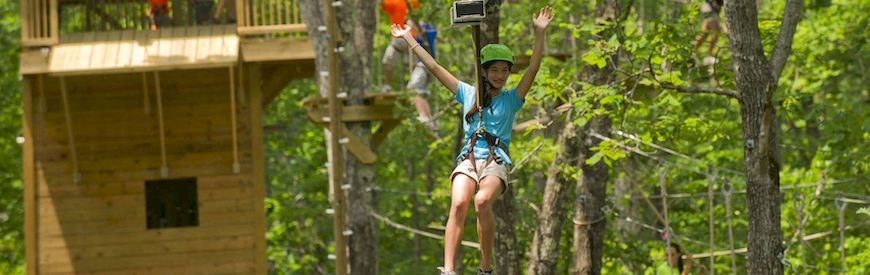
[468, 12]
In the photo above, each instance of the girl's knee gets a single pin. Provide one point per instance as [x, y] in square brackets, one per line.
[459, 206]
[482, 202]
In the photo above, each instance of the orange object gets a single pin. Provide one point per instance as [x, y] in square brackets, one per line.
[398, 10]
[163, 5]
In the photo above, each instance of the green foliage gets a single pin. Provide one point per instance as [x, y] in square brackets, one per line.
[11, 199]
[821, 103]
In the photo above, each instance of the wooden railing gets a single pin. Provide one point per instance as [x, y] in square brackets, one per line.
[44, 21]
[268, 16]
[103, 15]
[39, 23]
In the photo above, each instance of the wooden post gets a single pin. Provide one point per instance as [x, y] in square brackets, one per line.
[236, 166]
[164, 168]
[335, 125]
[55, 26]
[29, 174]
[145, 101]
[258, 162]
[69, 131]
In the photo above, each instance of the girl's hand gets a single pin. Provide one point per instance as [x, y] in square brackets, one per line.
[543, 19]
[400, 31]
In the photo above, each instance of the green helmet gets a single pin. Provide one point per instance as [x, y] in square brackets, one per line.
[496, 52]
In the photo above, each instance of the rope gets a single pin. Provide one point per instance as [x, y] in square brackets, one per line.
[728, 212]
[417, 231]
[710, 201]
[841, 208]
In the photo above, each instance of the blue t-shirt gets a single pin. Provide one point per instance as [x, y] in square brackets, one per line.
[498, 119]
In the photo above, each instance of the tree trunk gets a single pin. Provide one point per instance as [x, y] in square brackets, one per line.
[590, 193]
[544, 252]
[356, 23]
[507, 260]
[756, 80]
[589, 202]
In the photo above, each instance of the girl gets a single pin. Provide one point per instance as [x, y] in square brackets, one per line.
[481, 175]
[674, 264]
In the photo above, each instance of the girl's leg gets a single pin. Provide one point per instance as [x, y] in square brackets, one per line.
[460, 195]
[490, 189]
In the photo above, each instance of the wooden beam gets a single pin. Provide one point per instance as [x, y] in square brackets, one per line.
[69, 131]
[356, 147]
[355, 113]
[255, 30]
[164, 168]
[337, 164]
[234, 129]
[258, 163]
[370, 98]
[29, 174]
[381, 134]
[276, 77]
[270, 49]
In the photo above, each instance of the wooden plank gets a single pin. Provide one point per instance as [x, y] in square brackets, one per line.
[268, 29]
[26, 19]
[98, 52]
[83, 59]
[132, 154]
[381, 134]
[147, 236]
[33, 62]
[226, 267]
[108, 252]
[166, 259]
[29, 174]
[133, 223]
[114, 206]
[148, 173]
[356, 147]
[258, 177]
[369, 98]
[143, 172]
[354, 113]
[55, 26]
[111, 49]
[59, 188]
[287, 48]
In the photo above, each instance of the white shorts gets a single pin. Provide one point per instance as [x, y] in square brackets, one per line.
[419, 79]
[493, 169]
[392, 53]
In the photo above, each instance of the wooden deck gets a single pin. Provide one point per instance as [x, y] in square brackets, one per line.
[166, 49]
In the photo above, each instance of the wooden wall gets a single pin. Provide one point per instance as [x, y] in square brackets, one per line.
[98, 225]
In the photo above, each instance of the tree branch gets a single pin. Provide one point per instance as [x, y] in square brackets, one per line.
[792, 14]
[703, 90]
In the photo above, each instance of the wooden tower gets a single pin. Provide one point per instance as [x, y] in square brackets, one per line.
[143, 148]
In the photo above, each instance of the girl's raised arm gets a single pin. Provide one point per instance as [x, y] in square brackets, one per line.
[540, 23]
[449, 81]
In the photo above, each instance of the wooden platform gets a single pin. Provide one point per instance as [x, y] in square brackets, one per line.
[131, 51]
[377, 107]
[166, 49]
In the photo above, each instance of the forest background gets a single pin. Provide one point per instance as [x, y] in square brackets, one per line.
[662, 142]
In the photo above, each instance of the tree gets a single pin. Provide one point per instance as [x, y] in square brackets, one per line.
[356, 24]
[756, 77]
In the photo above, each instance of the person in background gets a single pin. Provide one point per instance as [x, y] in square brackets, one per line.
[711, 27]
[158, 14]
[674, 262]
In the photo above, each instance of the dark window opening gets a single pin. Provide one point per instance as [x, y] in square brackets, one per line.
[171, 203]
